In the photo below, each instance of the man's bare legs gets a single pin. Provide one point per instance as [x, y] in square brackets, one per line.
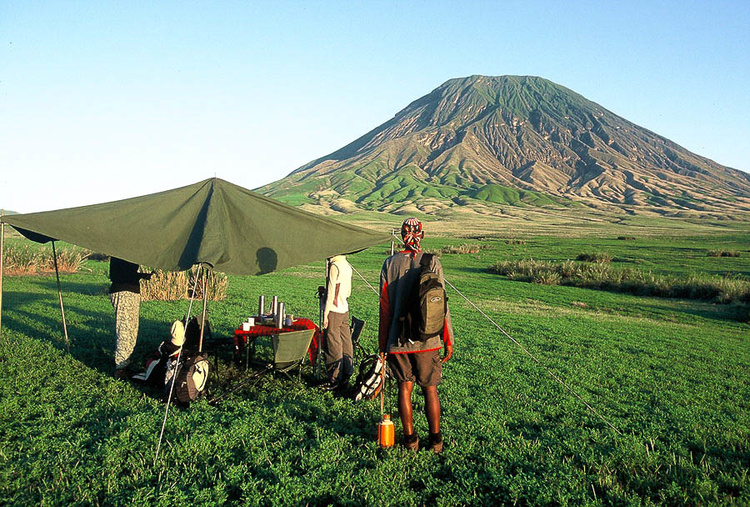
[406, 411]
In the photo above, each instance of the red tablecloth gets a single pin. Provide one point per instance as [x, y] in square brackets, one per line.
[241, 336]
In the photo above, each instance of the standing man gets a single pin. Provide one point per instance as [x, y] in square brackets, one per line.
[411, 358]
[125, 295]
[337, 345]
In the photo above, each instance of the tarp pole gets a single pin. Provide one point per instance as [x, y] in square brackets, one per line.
[2, 256]
[203, 316]
[179, 358]
[59, 294]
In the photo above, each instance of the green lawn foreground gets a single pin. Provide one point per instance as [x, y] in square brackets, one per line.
[670, 375]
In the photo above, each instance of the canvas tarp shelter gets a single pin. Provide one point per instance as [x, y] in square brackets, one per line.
[234, 230]
[213, 222]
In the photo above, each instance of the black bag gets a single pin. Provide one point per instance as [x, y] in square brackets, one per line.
[156, 365]
[370, 378]
[193, 333]
[425, 311]
[162, 367]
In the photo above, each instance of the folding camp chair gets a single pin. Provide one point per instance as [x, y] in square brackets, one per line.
[356, 331]
[290, 351]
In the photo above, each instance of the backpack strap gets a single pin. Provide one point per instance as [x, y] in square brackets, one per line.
[426, 260]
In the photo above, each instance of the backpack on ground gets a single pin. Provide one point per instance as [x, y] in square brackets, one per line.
[156, 364]
[427, 306]
[190, 377]
[370, 378]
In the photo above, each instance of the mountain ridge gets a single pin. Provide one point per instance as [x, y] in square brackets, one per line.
[519, 140]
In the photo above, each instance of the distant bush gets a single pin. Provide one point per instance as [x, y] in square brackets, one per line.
[594, 257]
[727, 289]
[461, 249]
[626, 238]
[548, 278]
[178, 285]
[723, 253]
[31, 259]
[515, 241]
[97, 257]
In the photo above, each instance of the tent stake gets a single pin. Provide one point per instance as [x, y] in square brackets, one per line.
[203, 316]
[2, 256]
[59, 294]
[179, 358]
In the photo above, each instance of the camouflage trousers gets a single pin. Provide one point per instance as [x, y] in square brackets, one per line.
[127, 307]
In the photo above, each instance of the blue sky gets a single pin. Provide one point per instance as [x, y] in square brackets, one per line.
[107, 100]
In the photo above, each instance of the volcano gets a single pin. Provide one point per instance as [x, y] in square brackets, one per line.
[513, 140]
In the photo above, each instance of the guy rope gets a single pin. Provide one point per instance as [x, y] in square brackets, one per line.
[524, 349]
[535, 359]
[179, 355]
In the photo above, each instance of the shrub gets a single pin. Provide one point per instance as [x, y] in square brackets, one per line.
[568, 269]
[29, 259]
[515, 242]
[594, 257]
[626, 238]
[173, 286]
[461, 249]
[597, 273]
[525, 270]
[725, 289]
[723, 253]
[93, 256]
[548, 278]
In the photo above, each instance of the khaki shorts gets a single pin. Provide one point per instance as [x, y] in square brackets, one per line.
[425, 368]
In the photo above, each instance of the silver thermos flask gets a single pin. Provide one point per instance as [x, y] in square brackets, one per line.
[280, 316]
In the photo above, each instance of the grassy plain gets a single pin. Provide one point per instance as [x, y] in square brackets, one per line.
[671, 375]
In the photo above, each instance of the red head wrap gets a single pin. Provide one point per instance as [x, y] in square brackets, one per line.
[412, 234]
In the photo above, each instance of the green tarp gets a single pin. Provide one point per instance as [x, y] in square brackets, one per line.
[233, 229]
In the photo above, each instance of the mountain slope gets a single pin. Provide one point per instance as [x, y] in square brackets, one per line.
[512, 140]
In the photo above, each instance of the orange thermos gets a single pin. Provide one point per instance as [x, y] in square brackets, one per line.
[385, 431]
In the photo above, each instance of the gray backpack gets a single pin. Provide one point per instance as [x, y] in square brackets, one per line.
[428, 304]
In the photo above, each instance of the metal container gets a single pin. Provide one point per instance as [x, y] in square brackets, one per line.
[280, 316]
[275, 306]
[261, 305]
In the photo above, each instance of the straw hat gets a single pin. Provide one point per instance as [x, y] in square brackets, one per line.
[178, 333]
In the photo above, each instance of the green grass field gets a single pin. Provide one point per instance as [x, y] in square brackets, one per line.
[671, 375]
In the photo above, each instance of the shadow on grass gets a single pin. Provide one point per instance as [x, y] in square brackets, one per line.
[67, 286]
[737, 312]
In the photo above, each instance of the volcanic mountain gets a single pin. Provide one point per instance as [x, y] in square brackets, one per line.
[484, 141]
